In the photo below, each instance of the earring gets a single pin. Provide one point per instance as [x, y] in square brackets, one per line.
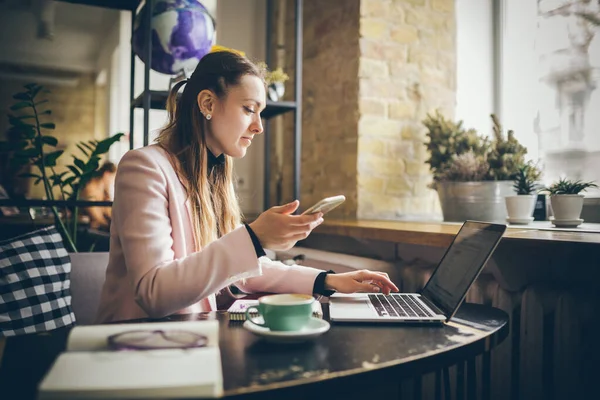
[208, 116]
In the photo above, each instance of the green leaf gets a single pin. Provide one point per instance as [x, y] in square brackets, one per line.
[15, 121]
[92, 165]
[74, 170]
[52, 157]
[69, 180]
[40, 102]
[50, 140]
[80, 164]
[38, 180]
[104, 145]
[27, 153]
[35, 90]
[88, 146]
[22, 96]
[46, 112]
[19, 105]
[83, 149]
[48, 125]
[30, 86]
[22, 117]
[28, 175]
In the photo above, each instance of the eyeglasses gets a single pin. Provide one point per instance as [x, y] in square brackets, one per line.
[156, 339]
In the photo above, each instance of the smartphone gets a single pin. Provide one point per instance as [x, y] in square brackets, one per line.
[325, 205]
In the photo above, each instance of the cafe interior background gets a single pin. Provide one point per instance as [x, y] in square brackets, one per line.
[372, 71]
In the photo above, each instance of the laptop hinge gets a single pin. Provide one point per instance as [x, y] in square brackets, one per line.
[432, 306]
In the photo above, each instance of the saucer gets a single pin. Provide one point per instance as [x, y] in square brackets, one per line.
[519, 221]
[566, 223]
[314, 328]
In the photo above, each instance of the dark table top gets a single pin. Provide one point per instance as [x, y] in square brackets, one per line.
[349, 354]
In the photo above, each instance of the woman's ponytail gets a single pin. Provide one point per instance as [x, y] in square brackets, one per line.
[172, 99]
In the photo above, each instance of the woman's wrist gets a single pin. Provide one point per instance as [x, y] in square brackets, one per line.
[329, 282]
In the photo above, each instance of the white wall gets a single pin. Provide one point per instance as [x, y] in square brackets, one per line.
[474, 81]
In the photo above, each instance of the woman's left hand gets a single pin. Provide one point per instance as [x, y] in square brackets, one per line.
[364, 281]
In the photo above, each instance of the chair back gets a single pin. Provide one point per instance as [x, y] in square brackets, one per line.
[88, 272]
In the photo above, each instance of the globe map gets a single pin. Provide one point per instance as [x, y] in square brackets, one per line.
[182, 33]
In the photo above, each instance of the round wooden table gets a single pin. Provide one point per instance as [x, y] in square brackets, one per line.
[349, 360]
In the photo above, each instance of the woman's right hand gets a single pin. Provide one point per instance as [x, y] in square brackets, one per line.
[278, 229]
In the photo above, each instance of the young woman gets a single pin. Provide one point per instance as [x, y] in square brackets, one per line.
[176, 236]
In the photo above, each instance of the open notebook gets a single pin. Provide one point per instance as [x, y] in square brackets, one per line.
[237, 311]
[89, 370]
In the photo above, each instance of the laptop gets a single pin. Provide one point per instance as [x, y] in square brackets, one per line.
[442, 295]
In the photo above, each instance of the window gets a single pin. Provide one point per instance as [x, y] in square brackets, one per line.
[550, 83]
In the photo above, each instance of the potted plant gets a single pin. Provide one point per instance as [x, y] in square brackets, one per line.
[37, 151]
[520, 207]
[472, 174]
[275, 81]
[566, 202]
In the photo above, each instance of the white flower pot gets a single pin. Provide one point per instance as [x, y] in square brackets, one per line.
[566, 207]
[520, 207]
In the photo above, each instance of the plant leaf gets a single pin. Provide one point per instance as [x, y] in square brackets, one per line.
[88, 146]
[22, 96]
[19, 105]
[40, 102]
[30, 86]
[104, 145]
[52, 157]
[83, 149]
[80, 164]
[29, 175]
[48, 125]
[27, 153]
[74, 170]
[50, 140]
[46, 112]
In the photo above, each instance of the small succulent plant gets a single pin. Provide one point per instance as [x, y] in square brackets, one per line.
[567, 186]
[527, 176]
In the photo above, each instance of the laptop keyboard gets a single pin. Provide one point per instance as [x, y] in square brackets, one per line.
[398, 305]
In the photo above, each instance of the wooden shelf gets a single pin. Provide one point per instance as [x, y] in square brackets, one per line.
[128, 5]
[440, 234]
[158, 101]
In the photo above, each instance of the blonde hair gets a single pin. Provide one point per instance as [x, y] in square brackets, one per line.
[214, 204]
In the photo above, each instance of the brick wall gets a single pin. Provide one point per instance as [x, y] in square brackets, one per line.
[407, 69]
[73, 112]
[372, 70]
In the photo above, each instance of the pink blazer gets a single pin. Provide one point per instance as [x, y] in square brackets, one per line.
[153, 270]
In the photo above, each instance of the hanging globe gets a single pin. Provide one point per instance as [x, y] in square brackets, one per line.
[182, 33]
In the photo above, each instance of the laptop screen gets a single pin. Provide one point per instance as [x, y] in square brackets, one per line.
[460, 266]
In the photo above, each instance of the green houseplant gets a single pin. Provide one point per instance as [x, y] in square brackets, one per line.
[471, 173]
[275, 81]
[520, 207]
[35, 151]
[566, 201]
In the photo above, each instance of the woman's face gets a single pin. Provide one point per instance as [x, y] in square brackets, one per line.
[236, 118]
